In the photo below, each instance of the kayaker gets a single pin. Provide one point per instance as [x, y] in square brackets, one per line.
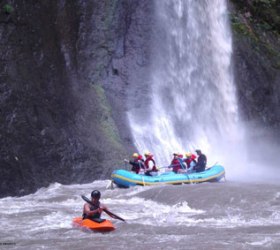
[177, 163]
[93, 212]
[201, 161]
[150, 164]
[137, 163]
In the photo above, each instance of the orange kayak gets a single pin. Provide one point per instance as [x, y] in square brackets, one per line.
[104, 226]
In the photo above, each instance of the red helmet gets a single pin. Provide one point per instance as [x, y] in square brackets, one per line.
[193, 157]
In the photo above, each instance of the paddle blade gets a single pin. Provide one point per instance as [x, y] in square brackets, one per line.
[113, 215]
[86, 199]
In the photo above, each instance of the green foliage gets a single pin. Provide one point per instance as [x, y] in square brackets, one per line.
[8, 8]
[274, 55]
[258, 23]
[264, 12]
[268, 3]
[265, 26]
[102, 99]
[242, 28]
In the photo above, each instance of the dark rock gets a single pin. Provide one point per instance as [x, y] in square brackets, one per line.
[63, 83]
[256, 60]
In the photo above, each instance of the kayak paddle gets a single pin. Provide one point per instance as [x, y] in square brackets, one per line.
[105, 210]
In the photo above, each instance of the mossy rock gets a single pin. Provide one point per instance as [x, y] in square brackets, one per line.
[107, 123]
[8, 9]
[263, 12]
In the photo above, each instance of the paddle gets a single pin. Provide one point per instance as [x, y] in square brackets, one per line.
[174, 165]
[105, 210]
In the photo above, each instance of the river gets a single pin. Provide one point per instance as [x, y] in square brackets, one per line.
[224, 215]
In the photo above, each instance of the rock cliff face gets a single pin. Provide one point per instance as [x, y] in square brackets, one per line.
[63, 83]
[69, 70]
[256, 32]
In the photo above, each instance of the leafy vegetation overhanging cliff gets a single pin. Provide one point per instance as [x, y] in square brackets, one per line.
[256, 33]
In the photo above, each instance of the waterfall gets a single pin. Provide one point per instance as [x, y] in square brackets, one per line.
[193, 103]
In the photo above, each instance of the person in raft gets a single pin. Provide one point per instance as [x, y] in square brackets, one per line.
[201, 161]
[177, 163]
[93, 212]
[190, 161]
[137, 163]
[150, 164]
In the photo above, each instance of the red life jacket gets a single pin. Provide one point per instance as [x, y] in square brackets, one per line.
[190, 159]
[193, 157]
[146, 163]
[175, 163]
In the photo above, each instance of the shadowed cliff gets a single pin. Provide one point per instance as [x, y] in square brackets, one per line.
[256, 33]
[62, 98]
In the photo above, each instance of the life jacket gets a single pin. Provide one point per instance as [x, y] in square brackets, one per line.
[176, 165]
[91, 208]
[146, 164]
[137, 164]
[190, 160]
[201, 163]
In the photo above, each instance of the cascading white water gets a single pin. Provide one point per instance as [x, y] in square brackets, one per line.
[193, 92]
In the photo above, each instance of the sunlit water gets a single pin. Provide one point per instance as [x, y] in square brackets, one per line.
[224, 215]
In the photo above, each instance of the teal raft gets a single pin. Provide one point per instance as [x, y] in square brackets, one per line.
[126, 179]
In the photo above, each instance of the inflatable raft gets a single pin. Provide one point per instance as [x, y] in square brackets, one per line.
[124, 178]
[102, 226]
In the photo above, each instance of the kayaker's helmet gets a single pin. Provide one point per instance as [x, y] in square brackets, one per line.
[95, 194]
[188, 154]
[135, 155]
